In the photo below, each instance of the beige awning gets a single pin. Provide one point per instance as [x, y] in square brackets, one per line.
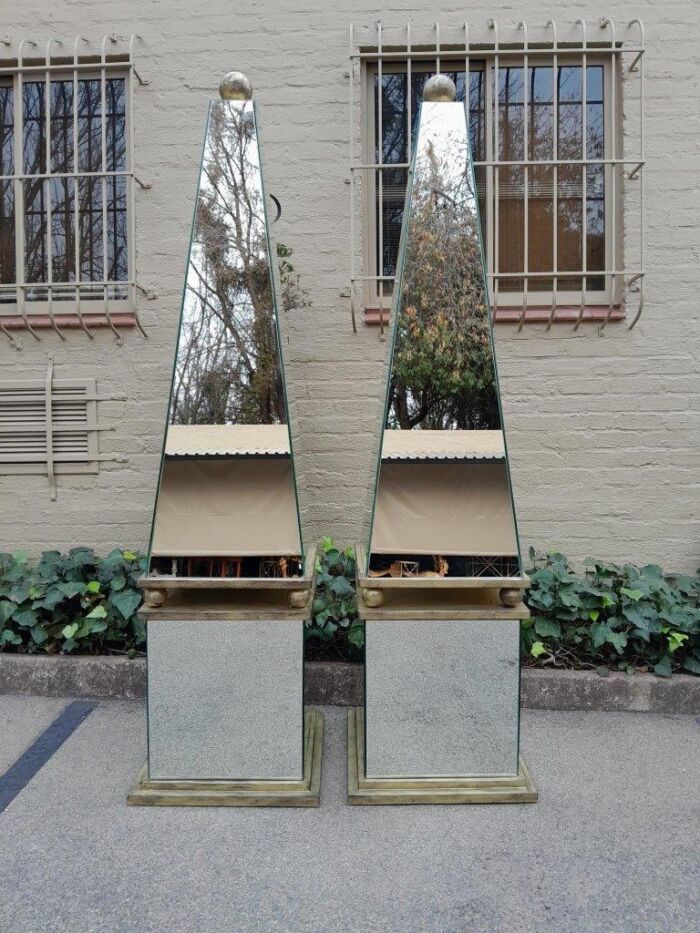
[227, 440]
[226, 508]
[443, 508]
[443, 445]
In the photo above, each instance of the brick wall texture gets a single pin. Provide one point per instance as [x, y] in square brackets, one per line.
[603, 430]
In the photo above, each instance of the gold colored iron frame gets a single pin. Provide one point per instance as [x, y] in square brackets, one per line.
[303, 793]
[388, 791]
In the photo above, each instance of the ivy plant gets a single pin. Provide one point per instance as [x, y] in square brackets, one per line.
[71, 602]
[611, 616]
[334, 620]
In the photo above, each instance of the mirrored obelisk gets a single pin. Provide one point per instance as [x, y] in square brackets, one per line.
[228, 587]
[440, 582]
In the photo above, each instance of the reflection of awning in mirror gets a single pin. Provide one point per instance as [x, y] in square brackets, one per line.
[443, 445]
[215, 507]
[227, 440]
[444, 508]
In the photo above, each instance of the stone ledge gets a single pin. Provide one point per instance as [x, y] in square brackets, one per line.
[341, 684]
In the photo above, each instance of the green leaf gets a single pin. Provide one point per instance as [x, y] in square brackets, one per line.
[632, 594]
[547, 628]
[84, 630]
[118, 583]
[53, 597]
[690, 664]
[26, 618]
[594, 615]
[6, 610]
[9, 637]
[126, 602]
[663, 668]
[39, 634]
[68, 631]
[356, 635]
[129, 555]
[93, 586]
[538, 649]
[19, 594]
[341, 587]
[99, 612]
[618, 640]
[70, 590]
[569, 599]
[675, 640]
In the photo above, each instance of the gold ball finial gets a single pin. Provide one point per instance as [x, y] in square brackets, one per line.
[440, 88]
[235, 86]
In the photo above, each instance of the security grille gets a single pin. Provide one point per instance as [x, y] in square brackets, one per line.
[546, 109]
[67, 182]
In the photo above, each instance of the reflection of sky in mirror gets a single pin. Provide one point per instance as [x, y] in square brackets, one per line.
[227, 367]
[443, 133]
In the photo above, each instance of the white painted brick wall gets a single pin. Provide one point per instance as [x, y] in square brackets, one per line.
[604, 431]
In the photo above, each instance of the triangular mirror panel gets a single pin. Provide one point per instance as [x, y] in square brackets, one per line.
[227, 503]
[443, 503]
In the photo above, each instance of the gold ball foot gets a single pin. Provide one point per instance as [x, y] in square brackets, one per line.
[510, 597]
[154, 599]
[373, 599]
[298, 599]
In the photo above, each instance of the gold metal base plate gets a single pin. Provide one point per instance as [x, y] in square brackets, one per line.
[303, 793]
[368, 791]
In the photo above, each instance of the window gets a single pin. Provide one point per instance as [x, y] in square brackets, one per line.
[64, 188]
[542, 186]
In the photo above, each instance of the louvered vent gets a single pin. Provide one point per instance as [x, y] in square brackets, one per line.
[25, 434]
[49, 426]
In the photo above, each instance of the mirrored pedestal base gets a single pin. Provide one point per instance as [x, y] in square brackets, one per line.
[253, 793]
[518, 788]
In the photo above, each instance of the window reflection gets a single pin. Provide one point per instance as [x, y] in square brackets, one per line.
[511, 179]
[395, 145]
[442, 374]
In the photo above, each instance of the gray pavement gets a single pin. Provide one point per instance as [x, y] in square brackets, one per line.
[611, 846]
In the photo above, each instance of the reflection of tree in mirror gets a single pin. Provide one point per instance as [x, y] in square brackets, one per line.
[228, 367]
[442, 375]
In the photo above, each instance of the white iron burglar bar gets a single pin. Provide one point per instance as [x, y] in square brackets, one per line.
[80, 61]
[622, 47]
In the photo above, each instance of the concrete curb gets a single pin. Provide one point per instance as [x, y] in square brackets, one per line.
[341, 684]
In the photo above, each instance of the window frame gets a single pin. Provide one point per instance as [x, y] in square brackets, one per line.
[37, 70]
[511, 302]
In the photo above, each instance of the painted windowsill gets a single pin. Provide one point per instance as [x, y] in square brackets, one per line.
[68, 320]
[565, 314]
